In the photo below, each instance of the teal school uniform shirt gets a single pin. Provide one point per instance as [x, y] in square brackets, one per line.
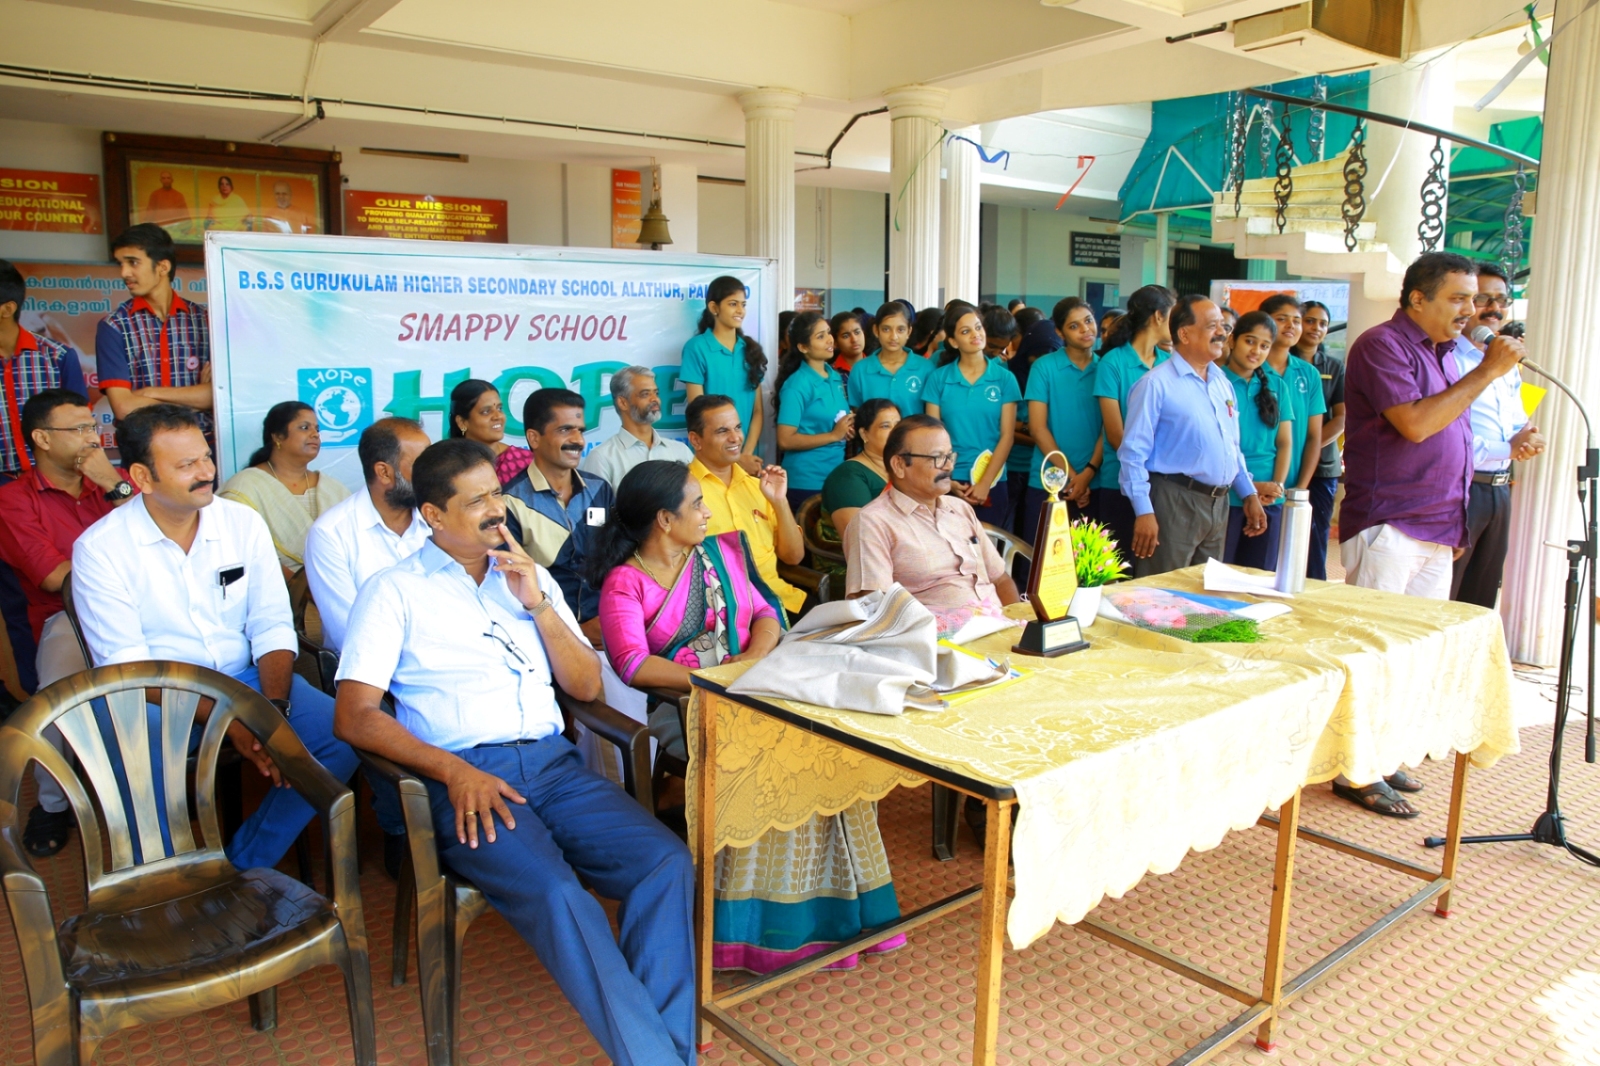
[1300, 393]
[1257, 440]
[1023, 457]
[1119, 371]
[870, 381]
[720, 372]
[812, 404]
[971, 412]
[1074, 411]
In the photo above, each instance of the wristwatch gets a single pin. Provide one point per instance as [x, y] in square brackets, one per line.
[539, 608]
[121, 491]
[282, 705]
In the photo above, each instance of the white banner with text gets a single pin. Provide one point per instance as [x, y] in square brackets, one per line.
[362, 328]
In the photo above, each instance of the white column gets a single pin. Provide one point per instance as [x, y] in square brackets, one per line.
[914, 113]
[769, 182]
[958, 219]
[1420, 93]
[1163, 225]
[1565, 261]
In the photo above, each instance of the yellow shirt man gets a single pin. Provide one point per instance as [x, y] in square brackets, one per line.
[740, 505]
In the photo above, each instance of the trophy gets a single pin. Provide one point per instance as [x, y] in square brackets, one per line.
[1053, 577]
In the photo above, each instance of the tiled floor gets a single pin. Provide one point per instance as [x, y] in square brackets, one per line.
[1513, 976]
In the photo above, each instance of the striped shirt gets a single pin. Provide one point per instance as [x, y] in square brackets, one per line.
[136, 350]
[39, 364]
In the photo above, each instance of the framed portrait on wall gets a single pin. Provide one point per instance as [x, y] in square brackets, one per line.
[190, 186]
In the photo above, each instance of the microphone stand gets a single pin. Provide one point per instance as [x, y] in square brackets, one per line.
[1550, 828]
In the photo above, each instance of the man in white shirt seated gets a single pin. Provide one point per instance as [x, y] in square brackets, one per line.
[179, 575]
[637, 400]
[469, 635]
[368, 531]
[354, 539]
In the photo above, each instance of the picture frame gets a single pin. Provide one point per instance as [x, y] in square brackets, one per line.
[189, 185]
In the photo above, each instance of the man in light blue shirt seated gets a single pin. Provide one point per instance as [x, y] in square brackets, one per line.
[1180, 449]
[470, 635]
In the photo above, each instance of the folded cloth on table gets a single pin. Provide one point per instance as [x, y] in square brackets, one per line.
[877, 653]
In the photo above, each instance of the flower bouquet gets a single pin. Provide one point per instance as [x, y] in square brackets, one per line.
[1171, 613]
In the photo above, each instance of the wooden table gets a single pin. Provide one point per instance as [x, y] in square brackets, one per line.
[888, 742]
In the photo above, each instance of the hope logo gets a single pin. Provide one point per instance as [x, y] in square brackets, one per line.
[992, 393]
[342, 399]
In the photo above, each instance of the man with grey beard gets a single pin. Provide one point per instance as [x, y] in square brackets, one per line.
[637, 401]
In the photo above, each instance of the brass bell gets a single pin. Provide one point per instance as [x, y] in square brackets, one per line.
[653, 227]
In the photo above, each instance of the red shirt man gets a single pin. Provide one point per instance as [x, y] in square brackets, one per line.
[70, 487]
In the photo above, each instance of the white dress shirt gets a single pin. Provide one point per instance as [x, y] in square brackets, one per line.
[619, 453]
[464, 661]
[1497, 413]
[347, 545]
[139, 596]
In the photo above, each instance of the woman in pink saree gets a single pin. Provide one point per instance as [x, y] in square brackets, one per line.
[673, 600]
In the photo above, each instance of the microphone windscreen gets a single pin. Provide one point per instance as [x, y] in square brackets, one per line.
[1483, 334]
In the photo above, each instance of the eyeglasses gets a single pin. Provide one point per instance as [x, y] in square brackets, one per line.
[1484, 299]
[499, 635]
[88, 429]
[939, 460]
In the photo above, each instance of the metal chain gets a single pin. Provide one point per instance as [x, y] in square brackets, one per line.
[1319, 119]
[1355, 192]
[1264, 146]
[1511, 245]
[1238, 132]
[1430, 231]
[1283, 188]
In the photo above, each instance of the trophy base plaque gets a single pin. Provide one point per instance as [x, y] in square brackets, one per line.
[1050, 639]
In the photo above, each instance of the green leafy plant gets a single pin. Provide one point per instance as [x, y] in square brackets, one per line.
[1095, 553]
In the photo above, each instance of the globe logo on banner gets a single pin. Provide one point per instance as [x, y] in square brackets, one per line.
[342, 399]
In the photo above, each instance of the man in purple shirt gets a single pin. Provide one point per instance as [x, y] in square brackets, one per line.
[1408, 457]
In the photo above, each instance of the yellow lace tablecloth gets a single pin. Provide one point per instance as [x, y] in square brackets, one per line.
[1422, 677]
[1127, 756]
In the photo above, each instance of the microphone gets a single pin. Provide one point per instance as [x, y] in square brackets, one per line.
[1483, 335]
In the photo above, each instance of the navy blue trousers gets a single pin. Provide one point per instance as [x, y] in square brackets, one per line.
[1259, 551]
[1323, 492]
[634, 991]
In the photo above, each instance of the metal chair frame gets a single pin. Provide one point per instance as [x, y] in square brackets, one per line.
[168, 932]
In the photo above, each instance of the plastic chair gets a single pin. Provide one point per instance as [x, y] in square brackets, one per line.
[327, 659]
[810, 519]
[168, 930]
[446, 904]
[1009, 545]
[230, 782]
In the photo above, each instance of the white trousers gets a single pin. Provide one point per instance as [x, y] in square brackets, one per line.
[59, 656]
[1382, 557]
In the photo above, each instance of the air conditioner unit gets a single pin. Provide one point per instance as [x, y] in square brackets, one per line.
[1326, 36]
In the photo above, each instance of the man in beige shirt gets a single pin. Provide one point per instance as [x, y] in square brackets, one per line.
[930, 542]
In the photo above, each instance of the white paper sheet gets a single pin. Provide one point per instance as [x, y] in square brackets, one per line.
[1219, 577]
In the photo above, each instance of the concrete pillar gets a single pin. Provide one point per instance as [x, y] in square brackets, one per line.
[958, 219]
[769, 182]
[1163, 225]
[914, 113]
[680, 202]
[1565, 261]
[1420, 93]
[1135, 272]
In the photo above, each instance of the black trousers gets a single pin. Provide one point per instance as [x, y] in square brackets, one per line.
[1477, 572]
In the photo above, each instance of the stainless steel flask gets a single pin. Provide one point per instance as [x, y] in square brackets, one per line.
[1294, 540]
